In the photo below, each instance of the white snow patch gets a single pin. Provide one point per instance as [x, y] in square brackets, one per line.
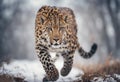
[32, 71]
[97, 79]
[108, 78]
[117, 76]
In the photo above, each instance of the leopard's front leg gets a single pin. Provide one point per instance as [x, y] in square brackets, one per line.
[49, 67]
[68, 62]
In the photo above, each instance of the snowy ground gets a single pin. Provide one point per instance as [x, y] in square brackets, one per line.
[32, 71]
[108, 78]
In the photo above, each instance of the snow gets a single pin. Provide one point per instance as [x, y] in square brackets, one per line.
[32, 71]
[107, 78]
[97, 79]
[117, 76]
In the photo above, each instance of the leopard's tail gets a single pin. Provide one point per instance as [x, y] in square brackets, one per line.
[89, 54]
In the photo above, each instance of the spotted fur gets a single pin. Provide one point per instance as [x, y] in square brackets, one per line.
[55, 31]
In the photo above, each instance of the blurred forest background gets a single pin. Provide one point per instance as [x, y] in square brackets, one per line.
[98, 21]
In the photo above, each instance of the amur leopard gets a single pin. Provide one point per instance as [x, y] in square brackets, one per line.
[56, 31]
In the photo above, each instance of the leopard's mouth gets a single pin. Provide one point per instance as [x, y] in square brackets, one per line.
[56, 45]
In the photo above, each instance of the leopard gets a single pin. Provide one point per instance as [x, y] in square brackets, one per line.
[56, 31]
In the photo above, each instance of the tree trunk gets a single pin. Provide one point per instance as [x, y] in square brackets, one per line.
[115, 21]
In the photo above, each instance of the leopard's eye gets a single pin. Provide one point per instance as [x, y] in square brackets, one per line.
[49, 29]
[61, 28]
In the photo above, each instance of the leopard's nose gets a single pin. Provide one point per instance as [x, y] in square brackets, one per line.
[56, 39]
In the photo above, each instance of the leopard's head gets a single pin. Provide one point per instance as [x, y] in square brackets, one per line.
[58, 23]
[56, 29]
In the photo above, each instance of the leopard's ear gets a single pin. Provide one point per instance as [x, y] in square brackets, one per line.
[41, 14]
